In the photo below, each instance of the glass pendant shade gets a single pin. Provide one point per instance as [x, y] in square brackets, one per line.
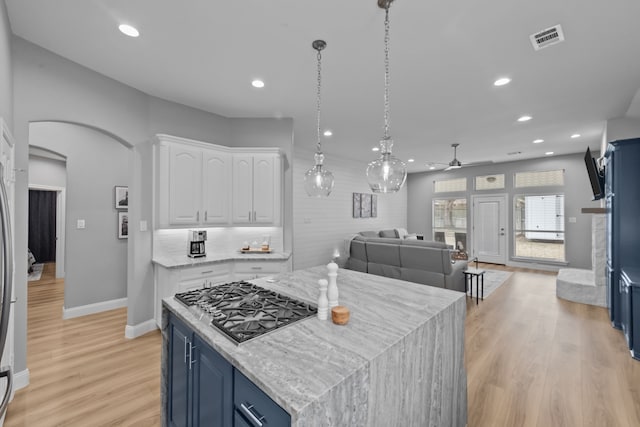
[318, 182]
[386, 174]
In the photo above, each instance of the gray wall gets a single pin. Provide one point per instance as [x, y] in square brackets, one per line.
[49, 172]
[96, 264]
[6, 75]
[577, 191]
[50, 88]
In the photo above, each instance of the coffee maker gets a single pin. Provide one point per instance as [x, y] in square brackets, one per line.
[196, 243]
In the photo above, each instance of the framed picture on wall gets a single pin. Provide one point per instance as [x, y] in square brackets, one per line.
[122, 197]
[374, 205]
[356, 205]
[365, 205]
[123, 225]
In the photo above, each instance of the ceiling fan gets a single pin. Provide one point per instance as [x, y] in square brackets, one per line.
[457, 164]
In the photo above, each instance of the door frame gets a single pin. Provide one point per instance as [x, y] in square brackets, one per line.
[505, 213]
[60, 222]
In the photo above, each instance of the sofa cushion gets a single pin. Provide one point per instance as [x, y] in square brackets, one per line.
[369, 234]
[424, 258]
[389, 233]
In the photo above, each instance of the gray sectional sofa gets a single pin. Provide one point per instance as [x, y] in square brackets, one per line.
[412, 260]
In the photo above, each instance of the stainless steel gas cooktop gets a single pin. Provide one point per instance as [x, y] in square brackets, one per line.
[243, 311]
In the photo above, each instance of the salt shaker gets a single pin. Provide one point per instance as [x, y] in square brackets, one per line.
[332, 292]
[323, 302]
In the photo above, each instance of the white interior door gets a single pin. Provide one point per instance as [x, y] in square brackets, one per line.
[489, 228]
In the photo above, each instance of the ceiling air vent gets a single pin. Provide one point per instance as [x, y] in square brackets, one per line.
[547, 37]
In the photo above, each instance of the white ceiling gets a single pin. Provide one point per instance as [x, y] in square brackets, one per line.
[445, 56]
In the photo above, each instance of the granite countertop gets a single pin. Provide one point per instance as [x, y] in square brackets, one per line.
[402, 338]
[176, 260]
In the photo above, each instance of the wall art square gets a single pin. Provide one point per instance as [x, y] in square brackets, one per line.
[374, 206]
[123, 225]
[356, 205]
[365, 205]
[121, 197]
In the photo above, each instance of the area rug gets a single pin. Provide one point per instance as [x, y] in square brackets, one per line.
[493, 279]
[36, 273]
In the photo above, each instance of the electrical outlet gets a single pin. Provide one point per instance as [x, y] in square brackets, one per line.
[80, 224]
[573, 219]
[143, 225]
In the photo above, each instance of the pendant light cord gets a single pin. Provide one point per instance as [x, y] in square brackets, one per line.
[318, 146]
[386, 72]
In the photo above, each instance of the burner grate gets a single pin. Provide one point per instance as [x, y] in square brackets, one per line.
[242, 310]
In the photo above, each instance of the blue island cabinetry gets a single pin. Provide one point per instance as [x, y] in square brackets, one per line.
[203, 389]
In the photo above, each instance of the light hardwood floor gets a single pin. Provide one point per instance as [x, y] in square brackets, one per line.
[532, 360]
[83, 372]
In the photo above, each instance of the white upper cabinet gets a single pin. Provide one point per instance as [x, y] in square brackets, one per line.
[200, 184]
[216, 187]
[257, 181]
[185, 184]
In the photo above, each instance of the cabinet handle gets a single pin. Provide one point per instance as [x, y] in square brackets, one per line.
[185, 350]
[205, 216]
[256, 268]
[198, 216]
[191, 361]
[207, 272]
[247, 410]
[249, 216]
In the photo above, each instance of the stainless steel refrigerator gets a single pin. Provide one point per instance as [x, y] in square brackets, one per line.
[6, 267]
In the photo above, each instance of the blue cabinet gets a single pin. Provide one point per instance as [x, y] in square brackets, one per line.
[200, 381]
[203, 389]
[630, 308]
[622, 198]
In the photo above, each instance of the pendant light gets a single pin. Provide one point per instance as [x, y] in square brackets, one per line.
[386, 174]
[318, 182]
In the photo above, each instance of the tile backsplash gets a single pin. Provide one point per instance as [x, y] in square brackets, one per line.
[174, 241]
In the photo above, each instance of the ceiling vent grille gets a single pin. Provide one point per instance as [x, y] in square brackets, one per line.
[547, 37]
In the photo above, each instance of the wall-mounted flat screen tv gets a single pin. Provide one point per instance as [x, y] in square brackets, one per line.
[596, 177]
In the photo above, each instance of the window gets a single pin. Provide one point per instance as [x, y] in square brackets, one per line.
[490, 182]
[538, 178]
[450, 222]
[539, 227]
[449, 185]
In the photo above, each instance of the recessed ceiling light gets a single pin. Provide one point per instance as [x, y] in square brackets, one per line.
[410, 160]
[575, 135]
[548, 153]
[375, 149]
[128, 30]
[327, 133]
[502, 81]
[432, 167]
[538, 141]
[524, 118]
[257, 83]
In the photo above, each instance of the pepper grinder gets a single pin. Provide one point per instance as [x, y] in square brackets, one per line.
[323, 302]
[333, 286]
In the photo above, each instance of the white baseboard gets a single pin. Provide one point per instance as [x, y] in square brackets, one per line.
[83, 310]
[140, 329]
[20, 379]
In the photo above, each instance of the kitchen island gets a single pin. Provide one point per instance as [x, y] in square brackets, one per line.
[398, 362]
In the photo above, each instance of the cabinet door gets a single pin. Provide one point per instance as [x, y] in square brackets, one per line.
[185, 184]
[266, 189]
[178, 374]
[216, 188]
[212, 387]
[242, 189]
